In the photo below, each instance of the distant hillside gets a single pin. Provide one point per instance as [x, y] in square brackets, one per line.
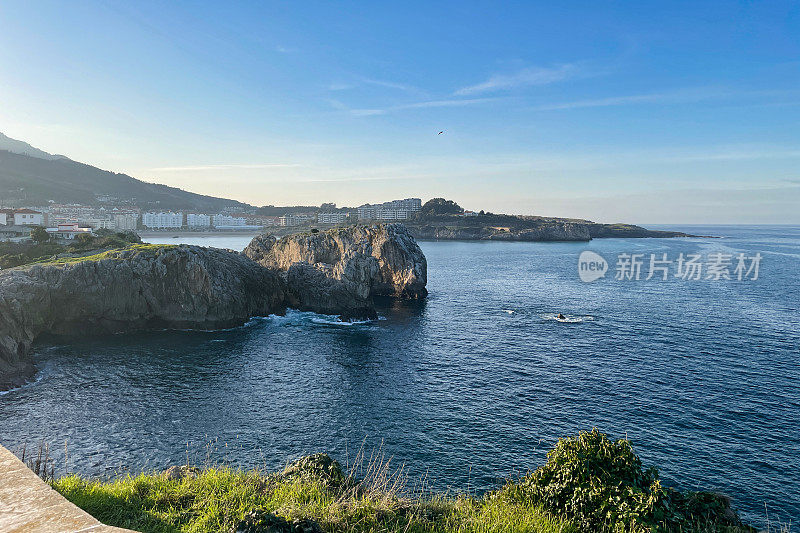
[21, 147]
[29, 176]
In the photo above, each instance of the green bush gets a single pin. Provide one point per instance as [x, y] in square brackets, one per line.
[601, 485]
[13, 254]
[102, 240]
[40, 235]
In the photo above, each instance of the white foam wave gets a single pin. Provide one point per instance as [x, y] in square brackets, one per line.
[568, 319]
[39, 375]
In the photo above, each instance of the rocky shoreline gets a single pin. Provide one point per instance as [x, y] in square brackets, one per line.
[146, 287]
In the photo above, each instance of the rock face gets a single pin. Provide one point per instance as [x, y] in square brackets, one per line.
[341, 270]
[142, 287]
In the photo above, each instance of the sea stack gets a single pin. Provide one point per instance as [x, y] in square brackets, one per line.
[340, 271]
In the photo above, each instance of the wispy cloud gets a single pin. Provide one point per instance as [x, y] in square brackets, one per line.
[455, 102]
[524, 78]
[741, 154]
[190, 168]
[391, 85]
[346, 180]
[340, 86]
[346, 86]
[677, 96]
[614, 101]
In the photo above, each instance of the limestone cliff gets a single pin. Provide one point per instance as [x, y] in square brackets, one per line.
[340, 271]
[142, 287]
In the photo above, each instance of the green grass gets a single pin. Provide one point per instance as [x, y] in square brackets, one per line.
[218, 498]
[589, 483]
[108, 254]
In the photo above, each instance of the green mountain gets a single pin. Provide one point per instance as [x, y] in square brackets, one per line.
[29, 176]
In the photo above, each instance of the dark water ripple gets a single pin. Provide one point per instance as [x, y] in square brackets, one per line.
[703, 377]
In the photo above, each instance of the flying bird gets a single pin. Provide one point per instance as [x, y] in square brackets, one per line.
[440, 133]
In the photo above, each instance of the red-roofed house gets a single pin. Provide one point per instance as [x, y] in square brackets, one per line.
[28, 217]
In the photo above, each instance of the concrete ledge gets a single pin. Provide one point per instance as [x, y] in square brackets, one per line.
[28, 504]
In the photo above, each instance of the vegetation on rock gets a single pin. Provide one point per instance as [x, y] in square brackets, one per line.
[439, 206]
[13, 254]
[599, 484]
[590, 483]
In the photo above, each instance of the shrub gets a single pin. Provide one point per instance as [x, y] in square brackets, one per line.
[600, 484]
[439, 206]
[40, 235]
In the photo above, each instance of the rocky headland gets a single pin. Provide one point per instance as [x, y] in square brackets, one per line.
[137, 288]
[534, 229]
[145, 287]
[441, 219]
[340, 271]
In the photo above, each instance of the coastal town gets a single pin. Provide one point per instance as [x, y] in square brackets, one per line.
[64, 222]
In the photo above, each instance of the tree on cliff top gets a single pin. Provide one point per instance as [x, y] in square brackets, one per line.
[40, 235]
[440, 206]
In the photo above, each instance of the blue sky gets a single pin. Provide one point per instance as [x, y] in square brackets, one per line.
[649, 112]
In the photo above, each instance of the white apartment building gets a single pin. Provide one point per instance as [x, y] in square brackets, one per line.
[408, 204]
[98, 223]
[126, 221]
[331, 218]
[28, 217]
[196, 220]
[296, 219]
[228, 220]
[162, 220]
[378, 212]
[392, 210]
[289, 220]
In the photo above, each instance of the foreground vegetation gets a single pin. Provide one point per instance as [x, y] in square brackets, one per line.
[590, 483]
[13, 254]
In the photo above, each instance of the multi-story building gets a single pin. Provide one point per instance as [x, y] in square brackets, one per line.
[378, 212]
[6, 217]
[162, 220]
[228, 221]
[196, 220]
[98, 223]
[392, 210]
[28, 217]
[74, 211]
[289, 220]
[263, 220]
[332, 218]
[125, 220]
[117, 219]
[296, 219]
[408, 204]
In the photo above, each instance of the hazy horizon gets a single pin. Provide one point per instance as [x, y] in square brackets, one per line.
[678, 114]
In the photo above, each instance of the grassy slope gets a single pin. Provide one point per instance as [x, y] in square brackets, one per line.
[217, 499]
[108, 254]
[589, 483]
